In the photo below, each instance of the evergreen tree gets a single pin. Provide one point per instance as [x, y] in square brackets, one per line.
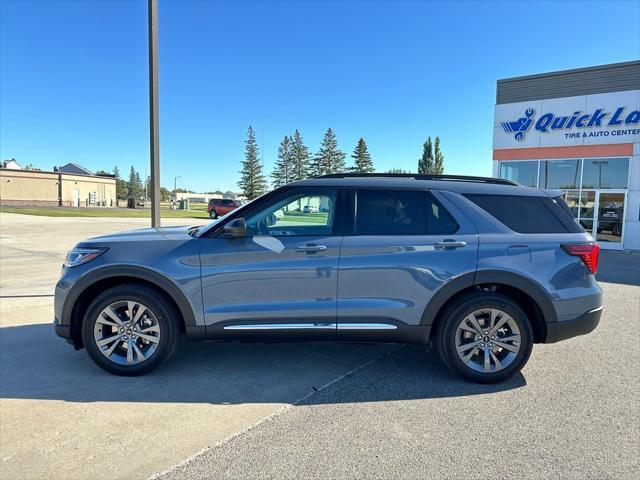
[121, 185]
[362, 158]
[132, 185]
[139, 186]
[329, 158]
[299, 158]
[252, 181]
[398, 170]
[283, 171]
[426, 162]
[438, 166]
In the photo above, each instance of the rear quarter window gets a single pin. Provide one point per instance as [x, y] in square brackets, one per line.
[528, 214]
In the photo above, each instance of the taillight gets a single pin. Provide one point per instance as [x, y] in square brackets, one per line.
[589, 254]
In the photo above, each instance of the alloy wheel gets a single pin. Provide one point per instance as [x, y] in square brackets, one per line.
[127, 332]
[488, 340]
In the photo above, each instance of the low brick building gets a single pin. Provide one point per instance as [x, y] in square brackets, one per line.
[27, 187]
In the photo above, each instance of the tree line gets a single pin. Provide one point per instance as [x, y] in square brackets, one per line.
[294, 162]
[135, 187]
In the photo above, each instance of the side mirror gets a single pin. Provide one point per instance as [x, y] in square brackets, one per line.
[236, 228]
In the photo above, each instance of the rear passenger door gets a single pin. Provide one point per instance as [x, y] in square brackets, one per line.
[400, 246]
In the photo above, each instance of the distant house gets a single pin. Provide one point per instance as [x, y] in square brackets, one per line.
[10, 164]
[75, 169]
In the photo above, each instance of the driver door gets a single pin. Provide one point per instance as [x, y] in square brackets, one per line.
[282, 277]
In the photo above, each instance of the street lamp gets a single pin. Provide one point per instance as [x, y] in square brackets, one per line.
[175, 180]
[154, 134]
[600, 164]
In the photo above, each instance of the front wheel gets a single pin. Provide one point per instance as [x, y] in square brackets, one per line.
[485, 337]
[130, 330]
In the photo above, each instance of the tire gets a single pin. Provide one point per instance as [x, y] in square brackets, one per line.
[617, 230]
[457, 332]
[213, 214]
[157, 323]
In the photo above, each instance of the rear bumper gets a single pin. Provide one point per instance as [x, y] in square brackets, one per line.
[585, 323]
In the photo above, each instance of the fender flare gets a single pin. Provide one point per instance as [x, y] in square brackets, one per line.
[464, 281]
[132, 271]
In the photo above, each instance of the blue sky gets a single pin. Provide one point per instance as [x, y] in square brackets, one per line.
[73, 77]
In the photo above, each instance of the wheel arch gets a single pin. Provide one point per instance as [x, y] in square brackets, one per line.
[87, 287]
[528, 294]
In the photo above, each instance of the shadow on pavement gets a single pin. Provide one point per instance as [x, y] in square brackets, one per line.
[35, 364]
[619, 267]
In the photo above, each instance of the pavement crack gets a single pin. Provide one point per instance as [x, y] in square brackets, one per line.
[279, 412]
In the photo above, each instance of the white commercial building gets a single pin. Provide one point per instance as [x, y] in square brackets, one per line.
[577, 131]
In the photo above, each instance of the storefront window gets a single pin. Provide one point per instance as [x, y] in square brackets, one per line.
[572, 198]
[560, 174]
[605, 173]
[587, 203]
[525, 173]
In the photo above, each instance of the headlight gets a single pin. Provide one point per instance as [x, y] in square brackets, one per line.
[78, 256]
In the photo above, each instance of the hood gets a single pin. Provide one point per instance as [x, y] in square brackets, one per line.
[180, 233]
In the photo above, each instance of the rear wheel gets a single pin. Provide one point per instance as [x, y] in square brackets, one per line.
[485, 337]
[213, 214]
[130, 330]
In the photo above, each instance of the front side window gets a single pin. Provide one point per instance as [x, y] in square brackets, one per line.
[300, 213]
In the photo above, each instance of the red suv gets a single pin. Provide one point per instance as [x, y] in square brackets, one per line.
[221, 206]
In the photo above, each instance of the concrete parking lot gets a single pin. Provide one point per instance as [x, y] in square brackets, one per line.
[308, 410]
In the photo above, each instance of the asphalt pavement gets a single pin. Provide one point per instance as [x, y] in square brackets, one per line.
[306, 410]
[572, 413]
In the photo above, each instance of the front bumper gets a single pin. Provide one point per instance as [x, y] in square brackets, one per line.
[585, 323]
[63, 331]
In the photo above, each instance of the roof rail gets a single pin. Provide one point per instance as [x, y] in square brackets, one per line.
[424, 176]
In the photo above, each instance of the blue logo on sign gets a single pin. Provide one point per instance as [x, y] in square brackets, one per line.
[599, 118]
[520, 126]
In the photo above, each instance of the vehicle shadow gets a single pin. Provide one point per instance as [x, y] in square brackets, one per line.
[35, 364]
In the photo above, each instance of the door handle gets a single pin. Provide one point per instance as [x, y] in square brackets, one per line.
[310, 248]
[450, 244]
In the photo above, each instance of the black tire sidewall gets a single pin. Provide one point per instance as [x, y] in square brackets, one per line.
[465, 306]
[213, 214]
[163, 312]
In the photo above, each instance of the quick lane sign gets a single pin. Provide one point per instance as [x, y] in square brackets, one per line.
[616, 121]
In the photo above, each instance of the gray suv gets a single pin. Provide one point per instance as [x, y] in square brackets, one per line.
[480, 268]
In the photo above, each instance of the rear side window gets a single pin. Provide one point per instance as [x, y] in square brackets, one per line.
[401, 212]
[528, 214]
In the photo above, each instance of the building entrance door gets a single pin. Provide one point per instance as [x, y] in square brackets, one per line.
[75, 197]
[608, 225]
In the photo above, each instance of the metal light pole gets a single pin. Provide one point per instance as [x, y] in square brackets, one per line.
[154, 138]
[175, 184]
